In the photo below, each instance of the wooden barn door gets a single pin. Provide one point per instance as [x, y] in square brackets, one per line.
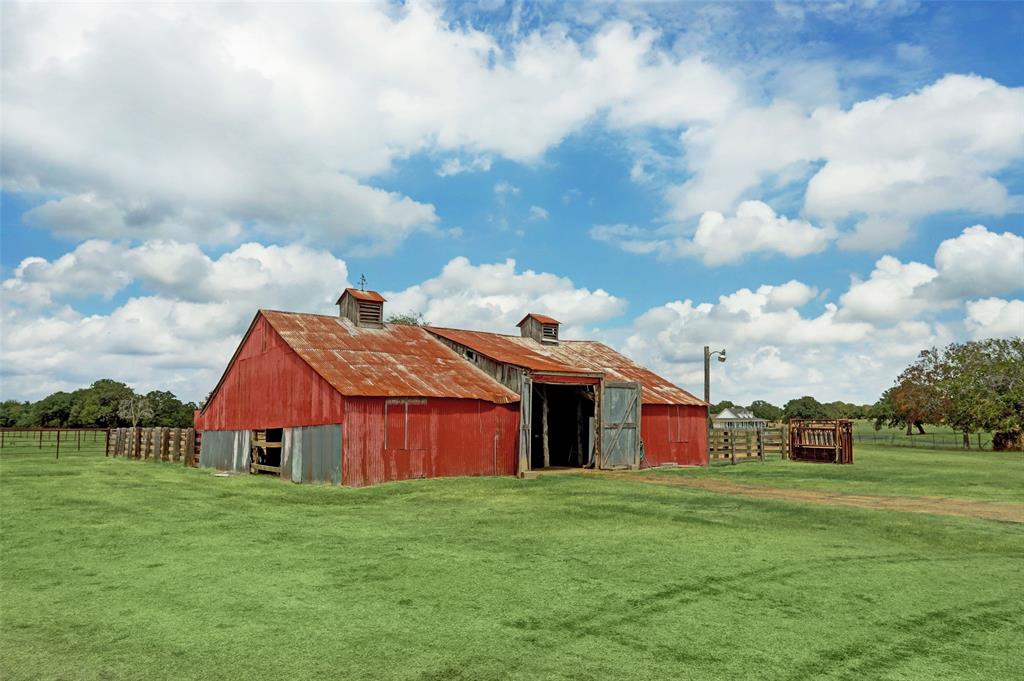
[525, 423]
[620, 425]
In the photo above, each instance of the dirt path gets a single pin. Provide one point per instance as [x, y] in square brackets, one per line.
[987, 510]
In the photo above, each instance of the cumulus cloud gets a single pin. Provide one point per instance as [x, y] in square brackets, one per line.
[884, 159]
[776, 351]
[203, 122]
[538, 213]
[721, 239]
[977, 262]
[995, 318]
[495, 296]
[177, 335]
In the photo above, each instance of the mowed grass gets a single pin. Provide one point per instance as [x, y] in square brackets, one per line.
[889, 471]
[115, 569]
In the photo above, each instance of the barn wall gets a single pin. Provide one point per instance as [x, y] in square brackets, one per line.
[436, 437]
[674, 434]
[226, 450]
[269, 386]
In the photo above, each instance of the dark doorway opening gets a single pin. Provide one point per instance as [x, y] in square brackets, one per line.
[265, 454]
[561, 425]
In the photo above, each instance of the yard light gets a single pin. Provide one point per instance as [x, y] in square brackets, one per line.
[707, 370]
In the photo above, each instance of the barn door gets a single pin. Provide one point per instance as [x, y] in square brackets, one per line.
[525, 421]
[620, 425]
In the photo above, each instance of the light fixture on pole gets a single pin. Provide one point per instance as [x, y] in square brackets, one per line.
[707, 370]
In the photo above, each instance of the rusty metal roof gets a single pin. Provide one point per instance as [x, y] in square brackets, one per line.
[371, 296]
[395, 361]
[570, 357]
[543, 319]
[504, 349]
[594, 356]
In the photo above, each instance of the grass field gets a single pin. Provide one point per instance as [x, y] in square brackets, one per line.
[994, 476]
[934, 437]
[115, 569]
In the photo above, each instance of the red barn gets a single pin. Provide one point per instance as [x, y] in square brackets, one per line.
[352, 400]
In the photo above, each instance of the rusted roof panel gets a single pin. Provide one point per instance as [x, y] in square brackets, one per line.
[594, 356]
[570, 357]
[543, 319]
[395, 361]
[506, 349]
[371, 296]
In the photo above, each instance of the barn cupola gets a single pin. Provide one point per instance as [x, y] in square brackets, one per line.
[539, 327]
[362, 308]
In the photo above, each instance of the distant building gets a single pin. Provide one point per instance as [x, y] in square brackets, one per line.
[738, 418]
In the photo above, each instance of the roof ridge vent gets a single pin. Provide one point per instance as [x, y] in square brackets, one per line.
[362, 308]
[540, 328]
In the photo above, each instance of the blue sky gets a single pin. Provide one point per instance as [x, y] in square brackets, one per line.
[791, 181]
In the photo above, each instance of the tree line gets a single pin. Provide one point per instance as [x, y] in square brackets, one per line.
[971, 387]
[805, 407]
[104, 404]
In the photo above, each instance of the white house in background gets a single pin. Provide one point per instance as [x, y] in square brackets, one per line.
[738, 418]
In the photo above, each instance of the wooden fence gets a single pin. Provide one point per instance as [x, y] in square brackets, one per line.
[163, 444]
[737, 446]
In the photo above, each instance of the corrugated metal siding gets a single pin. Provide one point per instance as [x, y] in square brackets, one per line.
[312, 454]
[445, 437]
[225, 450]
[674, 434]
[269, 386]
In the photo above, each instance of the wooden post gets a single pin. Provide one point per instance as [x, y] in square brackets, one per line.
[58, 443]
[78, 440]
[544, 430]
[40, 439]
[732, 447]
[579, 459]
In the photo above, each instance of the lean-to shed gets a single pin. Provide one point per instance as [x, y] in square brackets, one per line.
[352, 400]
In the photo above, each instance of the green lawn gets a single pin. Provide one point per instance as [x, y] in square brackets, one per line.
[115, 569]
[893, 471]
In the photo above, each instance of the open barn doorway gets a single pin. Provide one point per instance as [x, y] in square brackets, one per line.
[562, 426]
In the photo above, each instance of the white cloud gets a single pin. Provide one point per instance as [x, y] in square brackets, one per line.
[208, 122]
[494, 297]
[995, 318]
[775, 351]
[293, 276]
[937, 149]
[455, 166]
[504, 189]
[975, 263]
[177, 338]
[979, 262]
[890, 293]
[721, 239]
[538, 213]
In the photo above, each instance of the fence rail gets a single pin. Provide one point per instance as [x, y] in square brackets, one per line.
[979, 441]
[70, 438]
[737, 446]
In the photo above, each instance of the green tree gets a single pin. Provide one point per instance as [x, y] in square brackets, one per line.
[721, 406]
[13, 412]
[805, 407]
[766, 410]
[409, 319]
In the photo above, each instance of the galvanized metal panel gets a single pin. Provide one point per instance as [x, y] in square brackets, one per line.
[525, 424]
[321, 454]
[226, 450]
